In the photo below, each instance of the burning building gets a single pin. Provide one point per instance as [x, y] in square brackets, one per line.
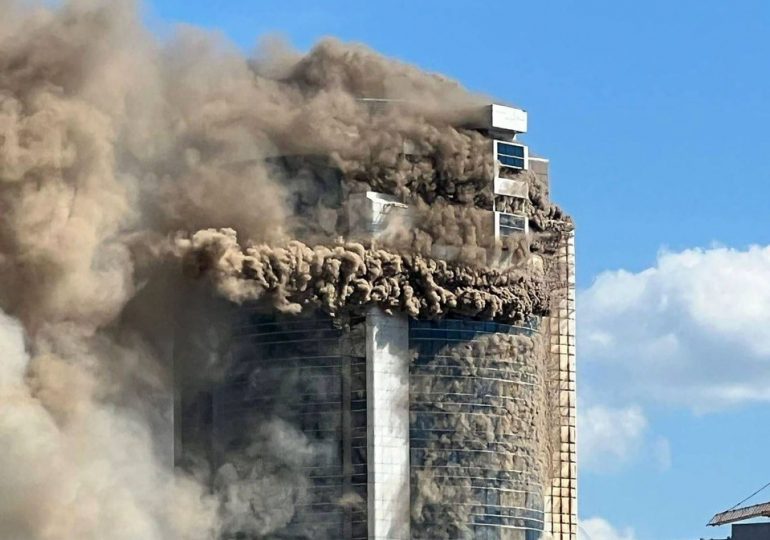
[347, 272]
[429, 385]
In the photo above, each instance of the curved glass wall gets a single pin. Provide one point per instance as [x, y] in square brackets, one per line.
[289, 430]
[477, 430]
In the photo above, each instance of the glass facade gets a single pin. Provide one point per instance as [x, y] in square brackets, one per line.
[477, 430]
[287, 429]
[308, 378]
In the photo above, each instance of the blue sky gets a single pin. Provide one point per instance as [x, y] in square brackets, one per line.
[654, 115]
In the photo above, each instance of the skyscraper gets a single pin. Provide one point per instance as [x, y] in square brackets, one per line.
[374, 418]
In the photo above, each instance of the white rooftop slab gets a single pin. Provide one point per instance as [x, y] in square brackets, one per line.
[498, 117]
[508, 118]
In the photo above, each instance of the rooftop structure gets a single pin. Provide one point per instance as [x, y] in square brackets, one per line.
[502, 120]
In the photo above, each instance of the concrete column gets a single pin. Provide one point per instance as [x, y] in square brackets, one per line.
[387, 400]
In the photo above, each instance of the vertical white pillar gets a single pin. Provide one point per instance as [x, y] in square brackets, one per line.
[387, 400]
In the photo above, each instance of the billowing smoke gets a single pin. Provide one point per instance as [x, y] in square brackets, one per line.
[124, 162]
[349, 276]
[75, 466]
[268, 472]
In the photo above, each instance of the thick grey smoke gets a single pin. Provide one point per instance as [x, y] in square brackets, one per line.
[262, 483]
[73, 466]
[350, 276]
[110, 143]
[79, 448]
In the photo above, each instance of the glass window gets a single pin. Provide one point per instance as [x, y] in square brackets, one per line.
[511, 155]
[511, 224]
[511, 161]
[511, 220]
[510, 149]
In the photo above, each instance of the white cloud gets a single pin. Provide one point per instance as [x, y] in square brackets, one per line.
[693, 330]
[609, 437]
[596, 528]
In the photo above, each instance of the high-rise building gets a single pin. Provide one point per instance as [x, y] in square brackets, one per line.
[378, 425]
